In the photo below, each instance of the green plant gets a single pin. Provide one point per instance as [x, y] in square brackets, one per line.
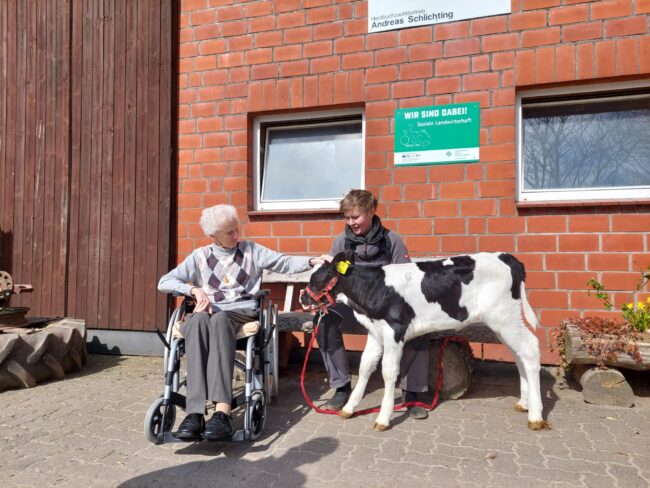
[604, 338]
[636, 313]
[599, 290]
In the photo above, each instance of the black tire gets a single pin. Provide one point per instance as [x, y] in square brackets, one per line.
[153, 420]
[257, 412]
[48, 353]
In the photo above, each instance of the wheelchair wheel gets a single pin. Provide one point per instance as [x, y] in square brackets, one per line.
[257, 413]
[153, 421]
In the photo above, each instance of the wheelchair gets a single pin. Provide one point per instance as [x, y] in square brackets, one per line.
[259, 367]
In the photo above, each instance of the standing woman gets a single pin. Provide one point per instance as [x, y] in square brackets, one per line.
[223, 277]
[373, 245]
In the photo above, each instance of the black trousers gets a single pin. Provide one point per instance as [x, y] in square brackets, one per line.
[210, 348]
[414, 366]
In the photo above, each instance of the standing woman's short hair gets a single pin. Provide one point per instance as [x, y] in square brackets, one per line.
[214, 219]
[358, 199]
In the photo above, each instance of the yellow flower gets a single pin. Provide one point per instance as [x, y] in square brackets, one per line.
[640, 305]
[629, 306]
[648, 300]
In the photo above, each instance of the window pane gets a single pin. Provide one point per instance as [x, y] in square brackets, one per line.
[604, 144]
[310, 163]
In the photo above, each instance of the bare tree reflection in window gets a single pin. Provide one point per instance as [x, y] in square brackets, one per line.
[587, 145]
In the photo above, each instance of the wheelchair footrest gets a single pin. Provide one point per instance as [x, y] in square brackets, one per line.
[169, 438]
[240, 435]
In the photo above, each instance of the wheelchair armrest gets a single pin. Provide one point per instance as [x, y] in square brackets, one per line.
[188, 302]
[261, 294]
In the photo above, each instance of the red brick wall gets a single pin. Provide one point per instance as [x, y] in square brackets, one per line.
[247, 57]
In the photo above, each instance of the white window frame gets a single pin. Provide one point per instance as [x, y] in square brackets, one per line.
[609, 194]
[302, 119]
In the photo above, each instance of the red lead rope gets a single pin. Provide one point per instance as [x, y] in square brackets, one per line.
[434, 402]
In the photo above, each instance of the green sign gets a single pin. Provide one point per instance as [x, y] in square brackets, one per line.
[440, 134]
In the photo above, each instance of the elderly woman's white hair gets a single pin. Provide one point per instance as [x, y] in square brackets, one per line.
[214, 219]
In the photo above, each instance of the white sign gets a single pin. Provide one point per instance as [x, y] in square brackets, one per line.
[386, 15]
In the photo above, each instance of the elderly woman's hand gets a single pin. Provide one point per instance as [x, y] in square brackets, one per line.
[322, 259]
[202, 300]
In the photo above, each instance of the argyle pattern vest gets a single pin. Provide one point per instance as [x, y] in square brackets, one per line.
[227, 280]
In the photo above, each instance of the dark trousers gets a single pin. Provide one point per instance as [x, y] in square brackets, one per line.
[210, 348]
[414, 366]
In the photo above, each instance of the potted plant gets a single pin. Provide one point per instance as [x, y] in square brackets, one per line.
[592, 346]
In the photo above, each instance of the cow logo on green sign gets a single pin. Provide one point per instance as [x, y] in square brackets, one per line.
[439, 134]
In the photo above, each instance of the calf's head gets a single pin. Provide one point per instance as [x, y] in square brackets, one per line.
[320, 292]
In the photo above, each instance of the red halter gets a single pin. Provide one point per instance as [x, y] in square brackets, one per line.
[325, 292]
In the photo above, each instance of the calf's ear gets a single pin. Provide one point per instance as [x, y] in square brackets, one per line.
[349, 255]
[339, 257]
[342, 261]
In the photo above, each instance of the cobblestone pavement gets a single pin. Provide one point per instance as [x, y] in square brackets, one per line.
[87, 431]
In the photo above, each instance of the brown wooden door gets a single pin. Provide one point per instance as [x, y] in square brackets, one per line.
[86, 156]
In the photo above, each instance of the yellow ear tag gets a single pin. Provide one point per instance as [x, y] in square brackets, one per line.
[342, 267]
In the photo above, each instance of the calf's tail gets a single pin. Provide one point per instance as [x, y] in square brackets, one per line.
[529, 314]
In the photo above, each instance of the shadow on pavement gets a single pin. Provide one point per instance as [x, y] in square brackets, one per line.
[281, 415]
[639, 381]
[96, 363]
[492, 379]
[98, 347]
[232, 470]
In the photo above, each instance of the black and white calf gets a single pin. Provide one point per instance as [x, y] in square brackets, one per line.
[398, 302]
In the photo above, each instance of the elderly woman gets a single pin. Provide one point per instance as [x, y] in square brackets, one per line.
[222, 277]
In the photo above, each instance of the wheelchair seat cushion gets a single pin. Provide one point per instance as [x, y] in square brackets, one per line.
[248, 329]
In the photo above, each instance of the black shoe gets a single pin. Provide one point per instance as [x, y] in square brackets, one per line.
[340, 398]
[218, 428]
[415, 412]
[191, 428]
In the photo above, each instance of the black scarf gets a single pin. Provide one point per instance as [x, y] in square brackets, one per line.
[372, 248]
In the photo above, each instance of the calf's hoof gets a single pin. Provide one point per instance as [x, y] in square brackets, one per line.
[539, 425]
[345, 414]
[520, 408]
[380, 427]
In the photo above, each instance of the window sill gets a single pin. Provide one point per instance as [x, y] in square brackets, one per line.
[582, 203]
[271, 213]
